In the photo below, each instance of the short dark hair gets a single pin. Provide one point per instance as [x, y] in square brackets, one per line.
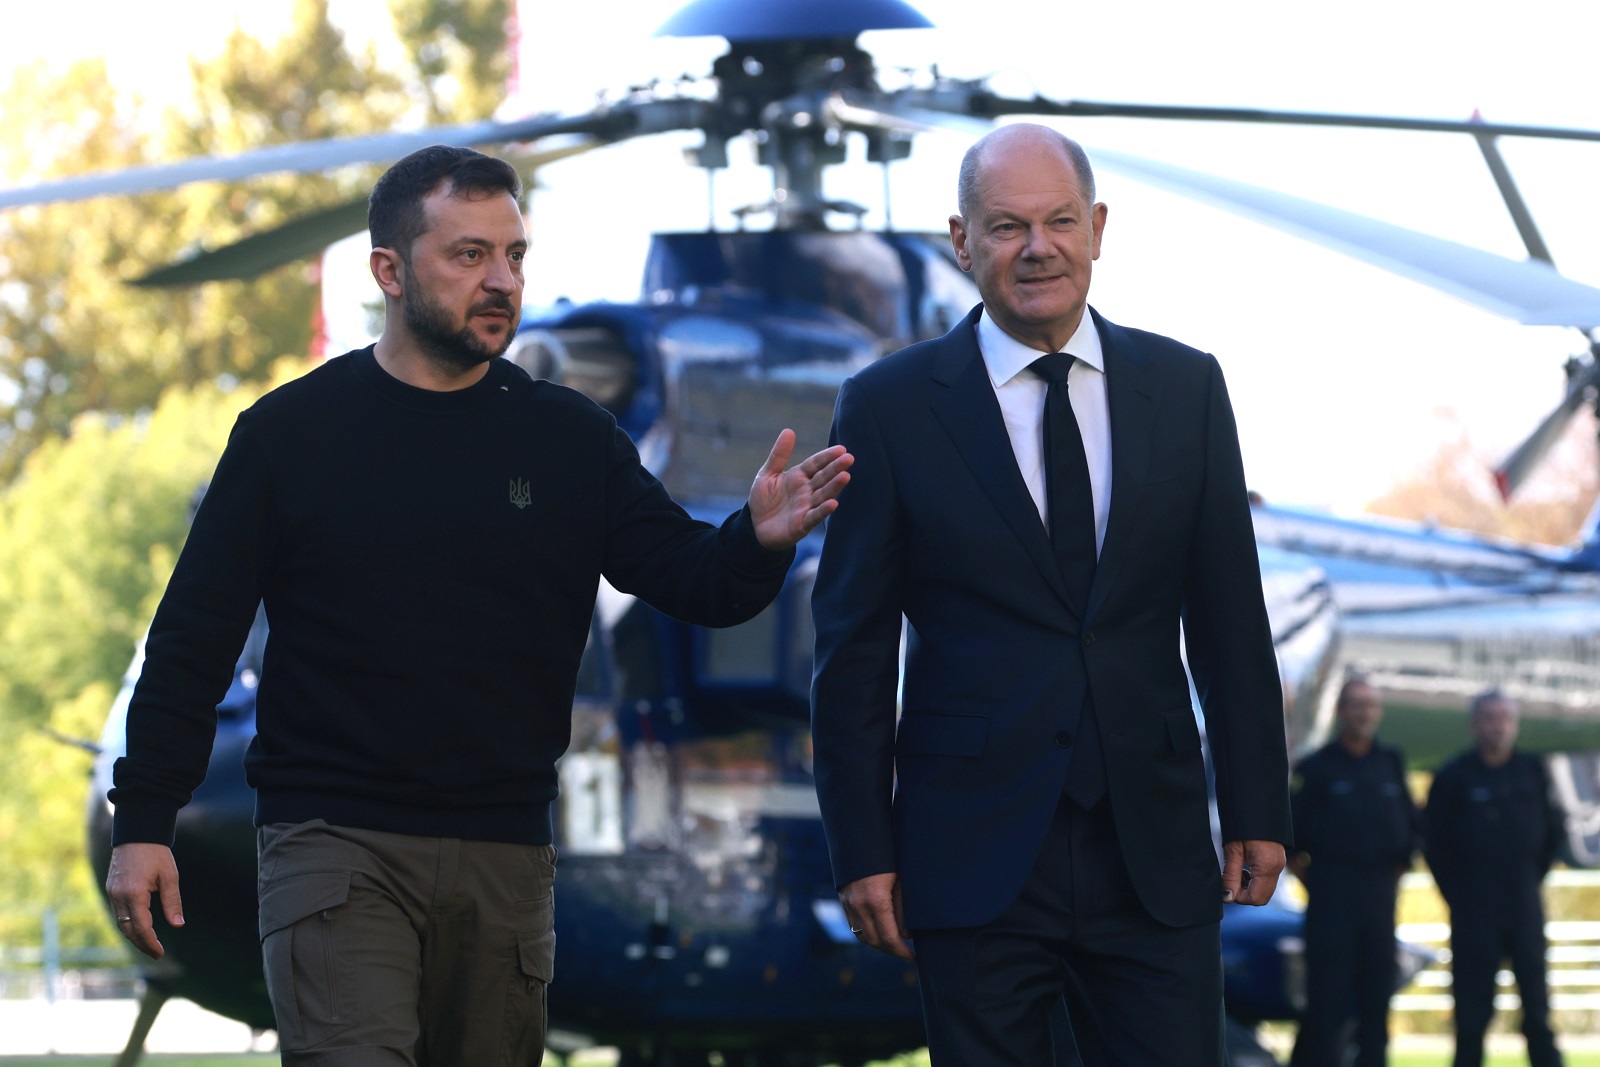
[1493, 696]
[967, 179]
[1350, 682]
[394, 210]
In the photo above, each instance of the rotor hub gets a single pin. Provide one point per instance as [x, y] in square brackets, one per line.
[790, 20]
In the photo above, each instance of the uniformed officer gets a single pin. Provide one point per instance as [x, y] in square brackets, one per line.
[1492, 833]
[1355, 831]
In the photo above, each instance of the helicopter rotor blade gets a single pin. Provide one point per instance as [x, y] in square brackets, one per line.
[990, 105]
[874, 111]
[612, 123]
[302, 237]
[1511, 473]
[261, 252]
[1531, 292]
[971, 99]
[1532, 240]
[1525, 291]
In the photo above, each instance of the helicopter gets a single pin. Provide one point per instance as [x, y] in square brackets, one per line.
[694, 877]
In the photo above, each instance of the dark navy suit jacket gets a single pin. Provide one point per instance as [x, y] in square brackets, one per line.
[938, 525]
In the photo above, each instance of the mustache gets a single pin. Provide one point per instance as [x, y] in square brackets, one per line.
[494, 303]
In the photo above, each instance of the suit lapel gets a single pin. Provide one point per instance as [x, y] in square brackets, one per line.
[1131, 392]
[963, 401]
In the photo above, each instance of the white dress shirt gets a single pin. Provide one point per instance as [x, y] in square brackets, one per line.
[1021, 395]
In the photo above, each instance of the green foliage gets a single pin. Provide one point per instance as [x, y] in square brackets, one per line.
[115, 401]
[73, 336]
[88, 536]
[41, 827]
[461, 50]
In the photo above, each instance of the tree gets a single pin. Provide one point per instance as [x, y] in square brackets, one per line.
[462, 51]
[1454, 489]
[73, 336]
[89, 534]
[115, 402]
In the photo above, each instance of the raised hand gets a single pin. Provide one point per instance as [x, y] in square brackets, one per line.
[788, 503]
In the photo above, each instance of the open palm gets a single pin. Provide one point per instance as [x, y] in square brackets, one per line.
[786, 503]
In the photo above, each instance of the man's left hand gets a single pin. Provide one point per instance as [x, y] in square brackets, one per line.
[1250, 871]
[787, 504]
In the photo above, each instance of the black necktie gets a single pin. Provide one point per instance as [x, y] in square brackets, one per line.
[1070, 499]
[1067, 488]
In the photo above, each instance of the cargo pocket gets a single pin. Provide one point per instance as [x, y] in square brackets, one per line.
[536, 895]
[525, 999]
[301, 925]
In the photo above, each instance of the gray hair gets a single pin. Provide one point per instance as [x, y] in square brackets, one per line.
[972, 162]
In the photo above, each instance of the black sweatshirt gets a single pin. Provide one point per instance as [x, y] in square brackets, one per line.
[429, 563]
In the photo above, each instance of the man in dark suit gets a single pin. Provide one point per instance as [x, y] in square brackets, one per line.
[1042, 525]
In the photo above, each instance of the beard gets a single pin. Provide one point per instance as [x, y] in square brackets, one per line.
[450, 344]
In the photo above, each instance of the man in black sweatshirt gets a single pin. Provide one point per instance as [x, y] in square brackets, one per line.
[427, 527]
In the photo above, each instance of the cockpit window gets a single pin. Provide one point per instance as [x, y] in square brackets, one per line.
[946, 294]
[732, 387]
[591, 359]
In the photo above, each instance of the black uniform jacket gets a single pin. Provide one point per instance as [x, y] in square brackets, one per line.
[1353, 814]
[1492, 832]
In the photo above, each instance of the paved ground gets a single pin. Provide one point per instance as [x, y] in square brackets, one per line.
[36, 1027]
[100, 1027]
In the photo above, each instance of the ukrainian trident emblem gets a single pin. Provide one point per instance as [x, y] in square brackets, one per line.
[521, 492]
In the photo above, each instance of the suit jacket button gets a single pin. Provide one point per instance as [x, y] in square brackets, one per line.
[1088, 638]
[1064, 739]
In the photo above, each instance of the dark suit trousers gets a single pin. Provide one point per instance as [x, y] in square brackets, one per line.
[1138, 993]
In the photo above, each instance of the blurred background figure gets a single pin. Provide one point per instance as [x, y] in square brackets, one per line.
[1492, 834]
[1355, 831]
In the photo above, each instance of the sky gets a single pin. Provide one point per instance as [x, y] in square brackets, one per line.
[1344, 378]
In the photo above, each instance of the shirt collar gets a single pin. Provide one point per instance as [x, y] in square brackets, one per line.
[1006, 357]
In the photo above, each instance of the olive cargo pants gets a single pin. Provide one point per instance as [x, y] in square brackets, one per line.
[386, 949]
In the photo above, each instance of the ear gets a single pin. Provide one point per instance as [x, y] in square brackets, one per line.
[958, 241]
[1097, 219]
[388, 270]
